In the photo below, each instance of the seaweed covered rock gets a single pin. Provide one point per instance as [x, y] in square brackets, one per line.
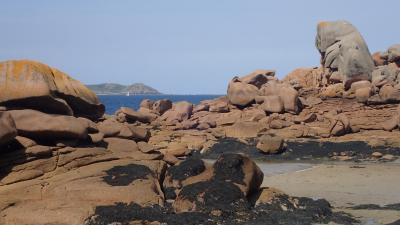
[240, 170]
[8, 130]
[344, 50]
[184, 173]
[29, 84]
[71, 196]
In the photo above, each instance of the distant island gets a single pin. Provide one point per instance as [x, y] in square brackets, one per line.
[118, 89]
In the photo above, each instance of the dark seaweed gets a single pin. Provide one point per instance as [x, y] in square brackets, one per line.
[395, 206]
[397, 222]
[124, 175]
[309, 150]
[229, 167]
[215, 195]
[188, 168]
[309, 212]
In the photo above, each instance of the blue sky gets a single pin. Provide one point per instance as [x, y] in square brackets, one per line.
[181, 47]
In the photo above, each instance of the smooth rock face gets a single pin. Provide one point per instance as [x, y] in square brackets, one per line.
[344, 50]
[130, 115]
[241, 94]
[8, 130]
[180, 111]
[270, 144]
[29, 84]
[272, 104]
[288, 95]
[161, 106]
[38, 125]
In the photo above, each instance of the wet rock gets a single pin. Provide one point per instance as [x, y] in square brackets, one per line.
[270, 144]
[8, 130]
[37, 125]
[46, 89]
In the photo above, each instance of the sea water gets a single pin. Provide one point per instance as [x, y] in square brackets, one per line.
[114, 102]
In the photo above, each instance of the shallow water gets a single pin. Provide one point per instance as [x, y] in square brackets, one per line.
[271, 169]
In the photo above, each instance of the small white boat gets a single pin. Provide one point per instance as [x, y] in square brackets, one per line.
[127, 94]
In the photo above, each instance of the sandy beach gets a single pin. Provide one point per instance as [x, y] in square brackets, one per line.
[344, 185]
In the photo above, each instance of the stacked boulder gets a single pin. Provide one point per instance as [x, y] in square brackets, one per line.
[344, 52]
[53, 134]
[263, 88]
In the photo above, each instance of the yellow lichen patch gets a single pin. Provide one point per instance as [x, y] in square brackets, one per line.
[322, 24]
[25, 78]
[67, 85]
[21, 79]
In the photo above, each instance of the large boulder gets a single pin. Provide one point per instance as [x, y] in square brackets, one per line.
[37, 125]
[288, 95]
[343, 49]
[258, 77]
[393, 53]
[241, 93]
[8, 130]
[29, 84]
[125, 114]
[304, 78]
[161, 106]
[180, 111]
[225, 187]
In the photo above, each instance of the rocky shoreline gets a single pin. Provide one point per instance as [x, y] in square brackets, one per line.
[62, 161]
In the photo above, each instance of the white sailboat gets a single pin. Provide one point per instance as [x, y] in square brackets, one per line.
[127, 94]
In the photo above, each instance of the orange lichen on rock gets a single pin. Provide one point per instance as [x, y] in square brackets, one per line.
[24, 83]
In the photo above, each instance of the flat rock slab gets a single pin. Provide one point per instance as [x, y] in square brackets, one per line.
[70, 198]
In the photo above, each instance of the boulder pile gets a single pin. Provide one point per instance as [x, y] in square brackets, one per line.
[62, 161]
